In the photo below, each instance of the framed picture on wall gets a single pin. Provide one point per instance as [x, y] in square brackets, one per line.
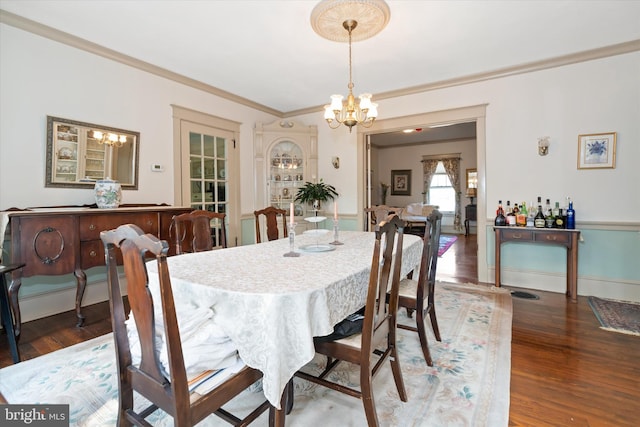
[401, 182]
[597, 151]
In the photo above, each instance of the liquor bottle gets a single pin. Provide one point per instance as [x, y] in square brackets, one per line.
[559, 219]
[511, 217]
[556, 209]
[521, 218]
[539, 221]
[547, 207]
[549, 219]
[571, 216]
[500, 220]
[531, 218]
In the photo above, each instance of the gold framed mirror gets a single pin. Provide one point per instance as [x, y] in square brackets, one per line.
[472, 178]
[79, 154]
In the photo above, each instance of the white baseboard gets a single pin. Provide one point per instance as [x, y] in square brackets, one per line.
[627, 290]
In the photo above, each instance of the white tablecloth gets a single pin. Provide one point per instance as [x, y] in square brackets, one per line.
[272, 306]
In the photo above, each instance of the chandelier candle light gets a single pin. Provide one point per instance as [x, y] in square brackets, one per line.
[110, 139]
[326, 19]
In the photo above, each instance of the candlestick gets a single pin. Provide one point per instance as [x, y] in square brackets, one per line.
[291, 213]
[336, 240]
[292, 237]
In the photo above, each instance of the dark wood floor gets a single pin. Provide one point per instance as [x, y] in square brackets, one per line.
[565, 371]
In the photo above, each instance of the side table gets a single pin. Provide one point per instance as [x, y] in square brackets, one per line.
[470, 214]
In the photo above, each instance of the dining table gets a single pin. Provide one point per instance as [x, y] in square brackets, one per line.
[270, 305]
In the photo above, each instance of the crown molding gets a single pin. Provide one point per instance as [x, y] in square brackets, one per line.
[82, 44]
[529, 67]
[79, 43]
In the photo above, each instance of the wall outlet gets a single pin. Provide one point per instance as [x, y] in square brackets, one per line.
[156, 167]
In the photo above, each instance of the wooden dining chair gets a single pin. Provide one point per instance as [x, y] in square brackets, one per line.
[379, 213]
[377, 342]
[419, 294]
[193, 231]
[271, 214]
[169, 392]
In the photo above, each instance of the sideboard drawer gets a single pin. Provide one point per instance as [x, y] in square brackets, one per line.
[552, 237]
[92, 225]
[92, 254]
[517, 234]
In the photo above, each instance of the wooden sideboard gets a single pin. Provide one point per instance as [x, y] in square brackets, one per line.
[552, 236]
[60, 241]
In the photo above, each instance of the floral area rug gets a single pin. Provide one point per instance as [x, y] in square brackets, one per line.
[467, 386]
[617, 316]
[445, 244]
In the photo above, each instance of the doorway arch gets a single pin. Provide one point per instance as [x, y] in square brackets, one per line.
[475, 113]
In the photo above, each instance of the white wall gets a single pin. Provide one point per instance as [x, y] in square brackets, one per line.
[39, 77]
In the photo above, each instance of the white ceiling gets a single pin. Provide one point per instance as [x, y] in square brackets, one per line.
[267, 52]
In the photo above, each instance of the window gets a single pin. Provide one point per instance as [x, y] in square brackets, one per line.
[441, 192]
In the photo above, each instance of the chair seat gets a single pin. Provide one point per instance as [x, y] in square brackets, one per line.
[408, 288]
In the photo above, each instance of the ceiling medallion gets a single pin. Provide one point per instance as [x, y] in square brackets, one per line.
[329, 15]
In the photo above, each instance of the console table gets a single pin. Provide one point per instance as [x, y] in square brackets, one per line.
[562, 237]
[56, 241]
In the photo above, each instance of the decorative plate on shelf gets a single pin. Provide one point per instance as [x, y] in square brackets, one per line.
[65, 153]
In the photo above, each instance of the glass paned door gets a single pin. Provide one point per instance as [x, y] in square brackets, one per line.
[208, 182]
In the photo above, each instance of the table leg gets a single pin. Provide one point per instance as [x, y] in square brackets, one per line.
[497, 256]
[81, 279]
[572, 269]
[277, 416]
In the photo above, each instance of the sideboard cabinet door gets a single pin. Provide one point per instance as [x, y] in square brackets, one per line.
[48, 245]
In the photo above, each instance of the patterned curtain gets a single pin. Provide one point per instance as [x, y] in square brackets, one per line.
[452, 167]
[429, 168]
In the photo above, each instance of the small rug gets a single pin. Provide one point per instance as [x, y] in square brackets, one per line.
[617, 316]
[467, 386]
[445, 243]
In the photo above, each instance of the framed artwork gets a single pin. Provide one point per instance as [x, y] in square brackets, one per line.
[597, 151]
[401, 182]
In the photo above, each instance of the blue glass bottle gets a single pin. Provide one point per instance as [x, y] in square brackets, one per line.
[571, 217]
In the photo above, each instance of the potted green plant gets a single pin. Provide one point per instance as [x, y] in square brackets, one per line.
[314, 194]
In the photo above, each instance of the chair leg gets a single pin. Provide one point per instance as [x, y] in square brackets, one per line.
[367, 397]
[397, 374]
[434, 322]
[422, 333]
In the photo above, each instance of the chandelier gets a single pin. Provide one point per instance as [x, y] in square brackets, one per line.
[330, 19]
[110, 139]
